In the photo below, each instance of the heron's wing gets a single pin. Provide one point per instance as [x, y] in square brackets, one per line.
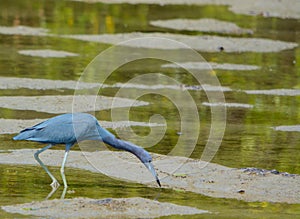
[63, 129]
[35, 127]
[56, 130]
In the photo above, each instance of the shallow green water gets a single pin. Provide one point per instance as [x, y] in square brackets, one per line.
[27, 184]
[249, 139]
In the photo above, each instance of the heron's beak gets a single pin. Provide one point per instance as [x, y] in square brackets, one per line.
[150, 167]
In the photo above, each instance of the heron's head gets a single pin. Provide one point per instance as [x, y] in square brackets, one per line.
[146, 159]
[150, 167]
[138, 151]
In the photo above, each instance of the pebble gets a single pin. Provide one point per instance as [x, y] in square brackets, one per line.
[263, 172]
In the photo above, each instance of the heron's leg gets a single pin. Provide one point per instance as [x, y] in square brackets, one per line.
[54, 183]
[62, 169]
[63, 194]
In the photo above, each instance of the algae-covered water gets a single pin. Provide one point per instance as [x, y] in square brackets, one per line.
[262, 97]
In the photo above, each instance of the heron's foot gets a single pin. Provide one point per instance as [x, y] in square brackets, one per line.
[54, 184]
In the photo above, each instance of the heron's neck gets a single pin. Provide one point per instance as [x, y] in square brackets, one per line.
[124, 145]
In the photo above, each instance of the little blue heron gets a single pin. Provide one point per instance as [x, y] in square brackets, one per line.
[69, 129]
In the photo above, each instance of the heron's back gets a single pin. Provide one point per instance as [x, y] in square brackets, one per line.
[62, 129]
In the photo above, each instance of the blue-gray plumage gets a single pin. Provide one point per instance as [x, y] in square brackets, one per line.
[69, 129]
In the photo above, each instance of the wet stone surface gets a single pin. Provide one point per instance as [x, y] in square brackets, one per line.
[201, 43]
[101, 208]
[47, 53]
[176, 173]
[202, 25]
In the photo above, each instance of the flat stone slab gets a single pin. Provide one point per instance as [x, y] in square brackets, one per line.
[10, 126]
[212, 65]
[278, 92]
[47, 53]
[205, 87]
[202, 25]
[23, 30]
[101, 208]
[233, 105]
[174, 172]
[44, 84]
[65, 104]
[287, 128]
[271, 8]
[200, 43]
